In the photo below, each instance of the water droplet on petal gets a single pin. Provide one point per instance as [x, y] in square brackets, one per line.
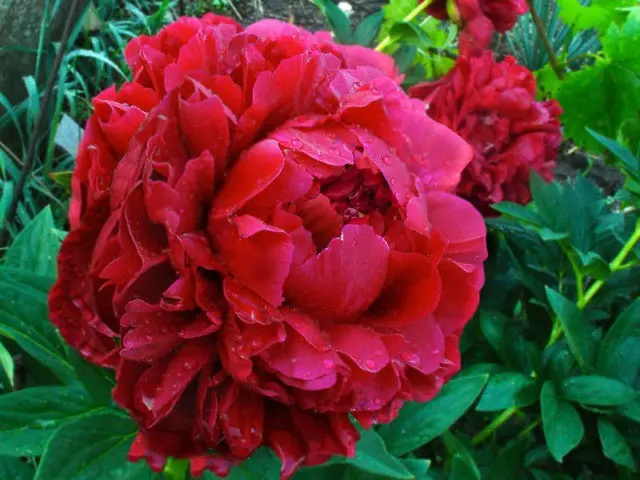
[377, 401]
[377, 352]
[369, 364]
[435, 351]
[296, 143]
[387, 159]
[328, 363]
[294, 360]
[148, 402]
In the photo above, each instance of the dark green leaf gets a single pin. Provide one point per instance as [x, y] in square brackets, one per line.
[631, 410]
[619, 355]
[408, 33]
[510, 462]
[97, 381]
[518, 212]
[561, 423]
[463, 469]
[598, 391]
[548, 202]
[29, 417]
[577, 330]
[593, 265]
[457, 448]
[502, 391]
[368, 29]
[614, 445]
[417, 467]
[418, 424]
[627, 160]
[6, 362]
[36, 247]
[25, 319]
[404, 56]
[15, 469]
[94, 446]
[264, 465]
[492, 325]
[336, 19]
[372, 456]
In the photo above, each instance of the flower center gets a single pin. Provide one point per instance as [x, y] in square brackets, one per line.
[357, 193]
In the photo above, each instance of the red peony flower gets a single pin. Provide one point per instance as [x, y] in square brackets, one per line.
[262, 243]
[492, 106]
[479, 19]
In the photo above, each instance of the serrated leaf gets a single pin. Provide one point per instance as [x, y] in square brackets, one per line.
[15, 469]
[502, 392]
[368, 29]
[596, 390]
[418, 424]
[614, 445]
[619, 355]
[36, 247]
[91, 447]
[29, 417]
[599, 14]
[561, 423]
[575, 327]
[24, 319]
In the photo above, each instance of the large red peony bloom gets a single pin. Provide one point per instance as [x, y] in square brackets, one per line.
[479, 19]
[492, 105]
[262, 243]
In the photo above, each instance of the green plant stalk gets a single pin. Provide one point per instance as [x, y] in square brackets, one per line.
[494, 425]
[553, 60]
[176, 469]
[616, 265]
[386, 41]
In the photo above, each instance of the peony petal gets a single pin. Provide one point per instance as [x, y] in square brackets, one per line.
[242, 415]
[256, 169]
[343, 280]
[362, 345]
[411, 292]
[256, 254]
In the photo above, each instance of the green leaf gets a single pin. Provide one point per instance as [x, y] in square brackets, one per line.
[493, 325]
[613, 95]
[628, 162]
[510, 462]
[620, 43]
[372, 456]
[264, 465]
[614, 445]
[63, 179]
[368, 29]
[631, 410]
[336, 19]
[576, 328]
[94, 446]
[593, 265]
[548, 202]
[502, 391]
[29, 417]
[418, 467]
[24, 319]
[404, 56]
[419, 423]
[599, 14]
[518, 212]
[6, 362]
[97, 381]
[15, 469]
[463, 469]
[561, 423]
[595, 390]
[457, 448]
[619, 355]
[36, 247]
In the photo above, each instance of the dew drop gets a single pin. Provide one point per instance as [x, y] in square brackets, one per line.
[435, 351]
[296, 143]
[386, 159]
[369, 364]
[377, 401]
[377, 352]
[294, 360]
[328, 363]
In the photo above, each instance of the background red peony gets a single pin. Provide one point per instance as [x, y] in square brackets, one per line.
[492, 105]
[479, 19]
[263, 242]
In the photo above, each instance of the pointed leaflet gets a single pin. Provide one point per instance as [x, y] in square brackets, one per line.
[15, 469]
[561, 423]
[91, 447]
[419, 423]
[614, 445]
[598, 391]
[619, 355]
[373, 457]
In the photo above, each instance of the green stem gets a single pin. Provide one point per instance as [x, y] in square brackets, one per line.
[529, 428]
[553, 60]
[386, 41]
[616, 265]
[176, 469]
[497, 422]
